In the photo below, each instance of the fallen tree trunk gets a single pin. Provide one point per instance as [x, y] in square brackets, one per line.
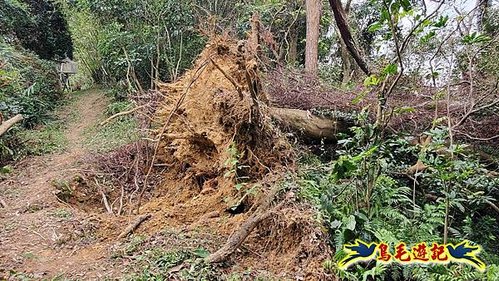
[309, 125]
[5, 126]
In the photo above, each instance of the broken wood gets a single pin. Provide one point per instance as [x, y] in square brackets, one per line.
[237, 238]
[133, 226]
[2, 203]
[121, 114]
[416, 168]
[311, 126]
[104, 198]
[106, 203]
[5, 126]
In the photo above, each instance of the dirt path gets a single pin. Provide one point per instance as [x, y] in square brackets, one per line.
[40, 236]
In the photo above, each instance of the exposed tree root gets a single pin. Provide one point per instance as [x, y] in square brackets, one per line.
[134, 225]
[238, 237]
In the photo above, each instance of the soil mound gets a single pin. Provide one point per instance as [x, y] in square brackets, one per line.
[224, 158]
[216, 112]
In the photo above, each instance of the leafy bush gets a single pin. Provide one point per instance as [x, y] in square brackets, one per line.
[367, 194]
[36, 25]
[117, 107]
[29, 86]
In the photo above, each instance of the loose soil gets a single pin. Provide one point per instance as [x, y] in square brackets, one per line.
[214, 134]
[43, 237]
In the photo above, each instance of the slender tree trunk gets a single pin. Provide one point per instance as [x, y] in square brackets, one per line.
[346, 63]
[293, 46]
[483, 6]
[313, 8]
[341, 21]
[346, 59]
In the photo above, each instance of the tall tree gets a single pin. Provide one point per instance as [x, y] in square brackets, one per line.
[313, 8]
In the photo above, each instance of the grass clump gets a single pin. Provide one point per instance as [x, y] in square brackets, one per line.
[188, 265]
[62, 213]
[118, 132]
[48, 139]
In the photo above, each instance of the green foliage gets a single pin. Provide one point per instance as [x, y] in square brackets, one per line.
[117, 107]
[236, 171]
[36, 25]
[119, 92]
[29, 86]
[62, 213]
[361, 195]
[232, 163]
[64, 191]
[191, 266]
[149, 39]
[129, 248]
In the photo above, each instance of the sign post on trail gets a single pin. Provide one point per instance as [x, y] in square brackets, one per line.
[66, 68]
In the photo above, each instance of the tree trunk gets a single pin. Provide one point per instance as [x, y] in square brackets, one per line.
[5, 126]
[341, 21]
[346, 65]
[346, 59]
[293, 46]
[482, 6]
[313, 8]
[309, 126]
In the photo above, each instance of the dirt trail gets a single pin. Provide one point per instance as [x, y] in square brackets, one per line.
[40, 235]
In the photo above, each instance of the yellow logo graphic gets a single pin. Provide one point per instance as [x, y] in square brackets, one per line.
[422, 253]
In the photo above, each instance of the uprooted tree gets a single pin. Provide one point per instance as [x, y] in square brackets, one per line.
[219, 107]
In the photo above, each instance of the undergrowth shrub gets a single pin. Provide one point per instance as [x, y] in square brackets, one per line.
[366, 193]
[117, 107]
[28, 86]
